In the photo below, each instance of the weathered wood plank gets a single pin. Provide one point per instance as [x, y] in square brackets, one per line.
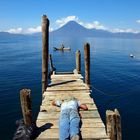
[98, 133]
[78, 94]
[86, 123]
[66, 83]
[55, 115]
[66, 75]
[63, 88]
[56, 97]
[60, 80]
[48, 108]
[83, 139]
[62, 84]
[49, 102]
[68, 92]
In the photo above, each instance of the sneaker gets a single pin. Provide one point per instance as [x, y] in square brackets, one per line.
[76, 137]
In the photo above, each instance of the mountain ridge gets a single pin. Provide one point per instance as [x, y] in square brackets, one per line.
[73, 29]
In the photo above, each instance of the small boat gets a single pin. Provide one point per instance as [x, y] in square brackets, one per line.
[131, 55]
[62, 48]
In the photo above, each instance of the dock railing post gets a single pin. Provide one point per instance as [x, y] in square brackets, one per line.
[113, 125]
[78, 61]
[25, 99]
[52, 68]
[45, 51]
[87, 63]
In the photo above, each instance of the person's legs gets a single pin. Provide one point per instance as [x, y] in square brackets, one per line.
[74, 125]
[64, 125]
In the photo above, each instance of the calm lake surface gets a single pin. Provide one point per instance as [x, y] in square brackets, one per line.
[115, 77]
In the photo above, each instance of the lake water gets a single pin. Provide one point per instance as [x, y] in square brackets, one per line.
[115, 77]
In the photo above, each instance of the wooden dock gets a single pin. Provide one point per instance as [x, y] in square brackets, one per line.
[61, 86]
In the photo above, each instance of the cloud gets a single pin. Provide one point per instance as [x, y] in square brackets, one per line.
[118, 30]
[95, 25]
[51, 29]
[15, 30]
[138, 21]
[32, 30]
[62, 21]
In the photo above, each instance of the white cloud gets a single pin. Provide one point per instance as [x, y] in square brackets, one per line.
[118, 30]
[62, 21]
[15, 30]
[32, 30]
[95, 25]
[138, 21]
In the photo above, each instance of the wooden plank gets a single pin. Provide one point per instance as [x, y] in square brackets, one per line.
[86, 123]
[63, 88]
[55, 115]
[67, 78]
[82, 139]
[49, 108]
[63, 84]
[65, 96]
[60, 80]
[49, 102]
[66, 75]
[61, 73]
[98, 133]
[67, 91]
[95, 120]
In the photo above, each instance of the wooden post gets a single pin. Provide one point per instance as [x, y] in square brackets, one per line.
[45, 49]
[51, 63]
[113, 125]
[87, 63]
[25, 100]
[118, 125]
[110, 124]
[78, 61]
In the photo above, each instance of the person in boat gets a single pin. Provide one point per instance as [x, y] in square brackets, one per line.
[131, 55]
[62, 46]
[69, 121]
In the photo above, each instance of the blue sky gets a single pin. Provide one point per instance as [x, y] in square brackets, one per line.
[24, 16]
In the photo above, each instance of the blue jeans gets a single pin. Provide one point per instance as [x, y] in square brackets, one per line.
[69, 124]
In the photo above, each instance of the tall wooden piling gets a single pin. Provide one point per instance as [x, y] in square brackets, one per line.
[87, 63]
[113, 125]
[118, 125]
[78, 61]
[25, 100]
[45, 51]
[110, 124]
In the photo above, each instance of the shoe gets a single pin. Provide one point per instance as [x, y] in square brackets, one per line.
[76, 137]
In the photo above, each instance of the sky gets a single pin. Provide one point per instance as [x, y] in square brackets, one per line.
[24, 16]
